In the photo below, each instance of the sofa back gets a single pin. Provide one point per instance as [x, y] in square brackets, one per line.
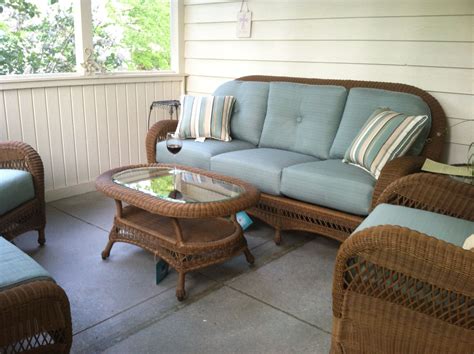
[303, 118]
[395, 96]
[250, 108]
[362, 102]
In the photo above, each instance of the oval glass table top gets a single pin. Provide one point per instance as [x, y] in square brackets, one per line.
[178, 186]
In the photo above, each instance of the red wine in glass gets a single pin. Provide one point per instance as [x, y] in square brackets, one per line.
[174, 148]
[174, 145]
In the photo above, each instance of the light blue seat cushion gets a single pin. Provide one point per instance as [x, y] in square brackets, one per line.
[17, 267]
[330, 183]
[196, 154]
[16, 188]
[303, 118]
[260, 167]
[250, 108]
[443, 227]
[362, 102]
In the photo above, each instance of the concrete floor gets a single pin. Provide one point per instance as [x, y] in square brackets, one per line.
[280, 305]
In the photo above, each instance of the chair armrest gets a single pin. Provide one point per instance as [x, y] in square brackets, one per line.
[17, 155]
[430, 192]
[158, 133]
[394, 170]
[35, 309]
[396, 265]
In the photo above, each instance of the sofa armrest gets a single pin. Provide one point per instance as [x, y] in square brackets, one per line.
[21, 156]
[430, 192]
[158, 133]
[394, 170]
[38, 309]
[402, 286]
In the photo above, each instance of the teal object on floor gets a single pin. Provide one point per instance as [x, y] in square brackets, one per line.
[162, 270]
[244, 220]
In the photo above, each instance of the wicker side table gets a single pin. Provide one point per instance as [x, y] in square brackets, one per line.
[192, 232]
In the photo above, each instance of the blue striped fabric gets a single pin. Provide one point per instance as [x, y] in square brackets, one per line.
[206, 117]
[386, 136]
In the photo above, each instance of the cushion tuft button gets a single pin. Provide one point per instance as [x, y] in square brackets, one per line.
[299, 119]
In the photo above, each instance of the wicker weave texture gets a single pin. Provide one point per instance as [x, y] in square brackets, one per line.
[30, 215]
[430, 192]
[188, 236]
[396, 290]
[288, 214]
[35, 318]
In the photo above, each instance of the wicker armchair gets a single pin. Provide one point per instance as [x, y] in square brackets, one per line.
[35, 318]
[397, 290]
[29, 215]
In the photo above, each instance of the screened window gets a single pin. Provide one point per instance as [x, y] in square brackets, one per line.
[38, 36]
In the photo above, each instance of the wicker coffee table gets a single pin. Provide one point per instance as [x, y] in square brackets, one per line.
[187, 218]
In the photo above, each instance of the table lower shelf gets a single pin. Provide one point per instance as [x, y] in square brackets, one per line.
[204, 241]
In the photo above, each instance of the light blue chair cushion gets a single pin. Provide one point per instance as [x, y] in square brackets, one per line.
[17, 268]
[362, 102]
[443, 227]
[196, 154]
[330, 183]
[16, 188]
[260, 167]
[303, 118]
[250, 108]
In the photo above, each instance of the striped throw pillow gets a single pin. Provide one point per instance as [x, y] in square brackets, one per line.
[384, 137]
[206, 117]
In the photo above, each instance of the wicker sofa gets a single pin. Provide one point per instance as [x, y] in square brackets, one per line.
[289, 136]
[402, 283]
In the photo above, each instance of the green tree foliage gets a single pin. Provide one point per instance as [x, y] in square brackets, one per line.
[30, 44]
[129, 35]
[144, 28]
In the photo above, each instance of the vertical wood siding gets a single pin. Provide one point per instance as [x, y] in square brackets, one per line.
[425, 43]
[82, 130]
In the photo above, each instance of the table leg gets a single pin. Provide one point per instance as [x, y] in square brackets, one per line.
[249, 256]
[110, 243]
[180, 292]
[106, 251]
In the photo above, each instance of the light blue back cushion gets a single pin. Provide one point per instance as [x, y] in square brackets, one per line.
[362, 102]
[17, 267]
[250, 108]
[16, 187]
[303, 118]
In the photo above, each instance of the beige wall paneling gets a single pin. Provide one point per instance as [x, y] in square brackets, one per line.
[123, 141]
[112, 123]
[225, 10]
[55, 136]
[41, 128]
[91, 131]
[25, 106]
[3, 119]
[80, 138]
[414, 28]
[12, 111]
[67, 135]
[142, 105]
[132, 121]
[82, 127]
[102, 128]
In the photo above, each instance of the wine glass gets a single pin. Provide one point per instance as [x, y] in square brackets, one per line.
[174, 145]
